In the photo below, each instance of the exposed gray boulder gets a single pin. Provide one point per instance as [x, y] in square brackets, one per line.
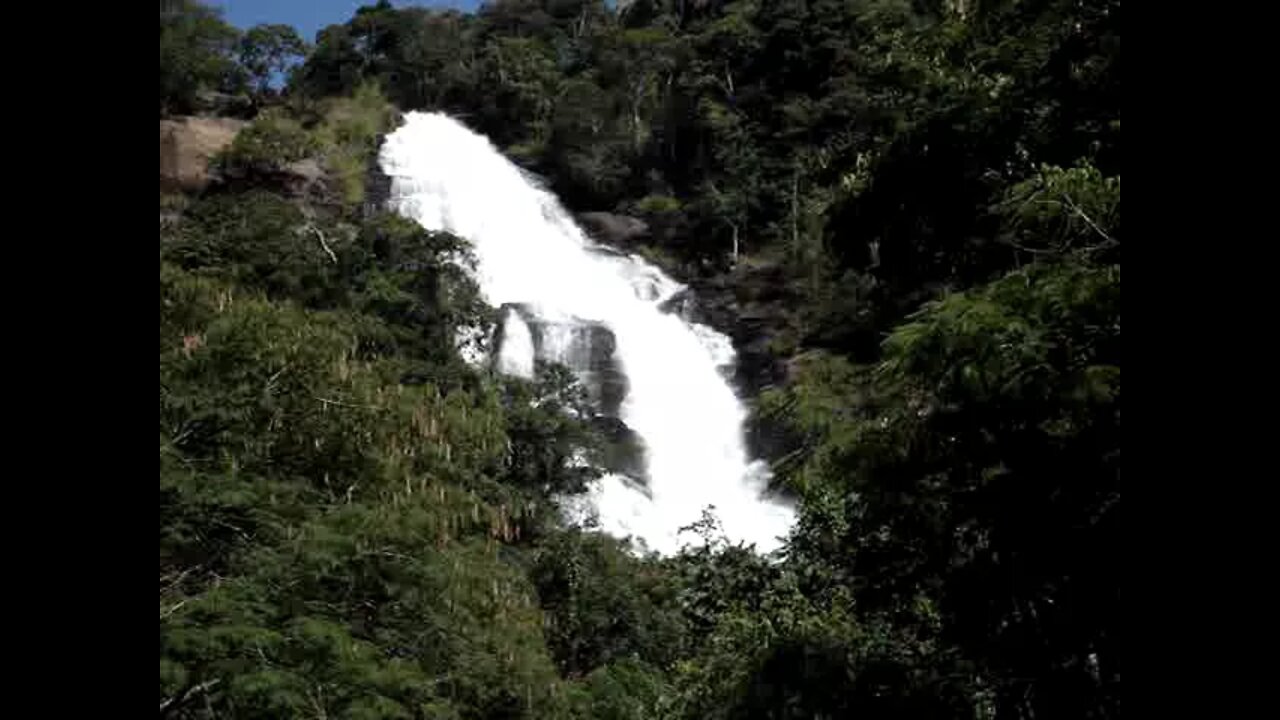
[750, 306]
[613, 229]
[186, 146]
[623, 450]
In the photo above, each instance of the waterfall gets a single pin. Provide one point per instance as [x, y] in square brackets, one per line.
[597, 311]
[516, 354]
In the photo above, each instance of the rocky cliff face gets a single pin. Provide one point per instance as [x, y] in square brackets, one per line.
[186, 146]
[749, 303]
[616, 231]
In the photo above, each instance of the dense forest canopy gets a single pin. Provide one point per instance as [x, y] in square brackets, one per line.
[354, 522]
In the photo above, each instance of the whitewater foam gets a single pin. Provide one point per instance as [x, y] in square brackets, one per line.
[530, 252]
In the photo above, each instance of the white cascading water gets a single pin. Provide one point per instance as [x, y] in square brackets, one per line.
[517, 343]
[530, 252]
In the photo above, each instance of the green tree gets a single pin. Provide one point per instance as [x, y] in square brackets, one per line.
[603, 605]
[990, 459]
[269, 51]
[521, 82]
[271, 142]
[196, 53]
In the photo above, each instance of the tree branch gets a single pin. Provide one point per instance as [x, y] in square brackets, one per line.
[271, 381]
[1071, 204]
[172, 609]
[328, 401]
[323, 244]
[1019, 246]
[167, 706]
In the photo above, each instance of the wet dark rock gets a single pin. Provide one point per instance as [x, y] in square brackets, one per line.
[377, 186]
[622, 450]
[620, 231]
[588, 349]
[749, 305]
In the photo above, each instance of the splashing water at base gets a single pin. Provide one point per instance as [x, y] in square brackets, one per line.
[517, 346]
[529, 251]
